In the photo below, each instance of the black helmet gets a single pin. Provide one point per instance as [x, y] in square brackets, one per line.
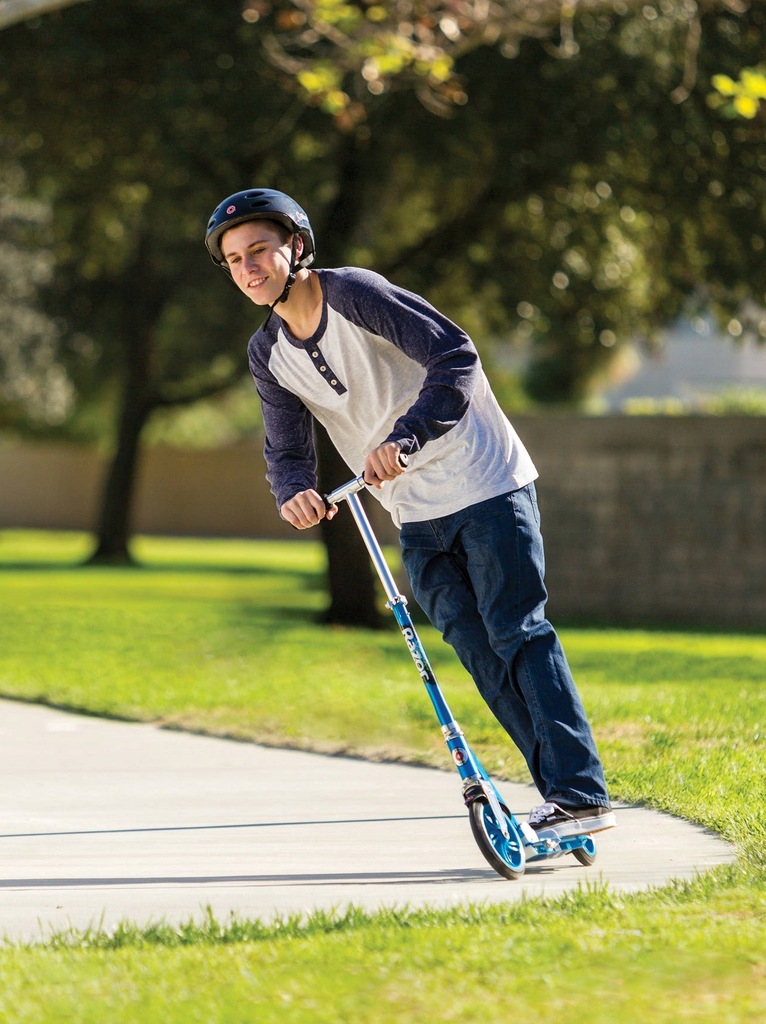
[259, 204]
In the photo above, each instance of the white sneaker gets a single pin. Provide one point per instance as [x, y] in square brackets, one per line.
[550, 817]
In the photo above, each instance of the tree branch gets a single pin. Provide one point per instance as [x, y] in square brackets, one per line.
[168, 397]
[13, 11]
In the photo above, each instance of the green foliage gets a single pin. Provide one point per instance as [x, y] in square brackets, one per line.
[744, 96]
[727, 402]
[132, 121]
[208, 423]
[570, 204]
[33, 387]
[586, 198]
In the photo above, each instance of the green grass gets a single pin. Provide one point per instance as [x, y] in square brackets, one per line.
[222, 637]
[587, 956]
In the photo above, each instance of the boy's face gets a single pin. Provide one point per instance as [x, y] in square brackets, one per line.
[259, 259]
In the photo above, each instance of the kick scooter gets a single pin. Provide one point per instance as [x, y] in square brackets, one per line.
[506, 843]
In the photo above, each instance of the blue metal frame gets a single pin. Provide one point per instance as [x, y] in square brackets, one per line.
[514, 835]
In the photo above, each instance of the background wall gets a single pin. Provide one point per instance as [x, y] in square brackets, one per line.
[654, 520]
[646, 520]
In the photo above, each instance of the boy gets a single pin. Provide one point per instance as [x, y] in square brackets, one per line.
[386, 374]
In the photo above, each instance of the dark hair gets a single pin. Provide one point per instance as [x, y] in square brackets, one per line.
[284, 233]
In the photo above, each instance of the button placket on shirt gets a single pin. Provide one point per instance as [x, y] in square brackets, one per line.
[325, 370]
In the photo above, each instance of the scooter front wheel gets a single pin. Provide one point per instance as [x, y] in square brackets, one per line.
[506, 856]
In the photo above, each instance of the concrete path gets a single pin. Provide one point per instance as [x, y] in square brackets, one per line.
[104, 821]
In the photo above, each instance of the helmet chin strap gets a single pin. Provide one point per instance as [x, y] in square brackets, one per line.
[291, 279]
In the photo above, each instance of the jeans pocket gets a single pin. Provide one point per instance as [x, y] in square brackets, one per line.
[532, 492]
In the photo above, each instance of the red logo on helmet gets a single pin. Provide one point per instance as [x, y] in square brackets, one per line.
[231, 209]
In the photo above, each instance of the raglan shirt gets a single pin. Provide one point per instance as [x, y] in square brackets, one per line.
[385, 365]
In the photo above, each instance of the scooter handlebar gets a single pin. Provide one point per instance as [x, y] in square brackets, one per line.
[355, 485]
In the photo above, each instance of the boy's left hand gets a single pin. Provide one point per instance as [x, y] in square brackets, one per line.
[383, 464]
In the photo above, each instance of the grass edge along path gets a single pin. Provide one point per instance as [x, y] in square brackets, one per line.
[587, 953]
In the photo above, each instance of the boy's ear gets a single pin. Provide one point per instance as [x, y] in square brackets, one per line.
[299, 247]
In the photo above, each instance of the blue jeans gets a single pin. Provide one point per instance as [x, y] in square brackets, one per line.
[478, 576]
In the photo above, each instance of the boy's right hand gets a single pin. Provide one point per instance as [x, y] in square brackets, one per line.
[306, 509]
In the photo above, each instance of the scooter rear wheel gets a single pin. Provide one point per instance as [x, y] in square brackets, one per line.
[586, 854]
[506, 856]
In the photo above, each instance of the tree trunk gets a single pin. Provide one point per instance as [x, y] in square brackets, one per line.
[114, 528]
[137, 403]
[350, 581]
